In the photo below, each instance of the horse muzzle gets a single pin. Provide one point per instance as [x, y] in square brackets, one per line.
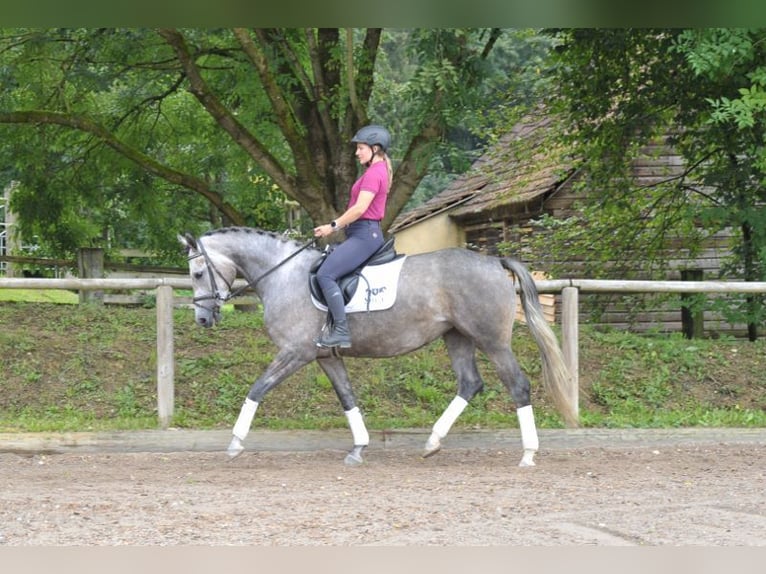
[205, 317]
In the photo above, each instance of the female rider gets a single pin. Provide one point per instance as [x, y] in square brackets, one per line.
[361, 220]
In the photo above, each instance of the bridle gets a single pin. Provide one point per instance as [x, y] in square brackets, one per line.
[216, 294]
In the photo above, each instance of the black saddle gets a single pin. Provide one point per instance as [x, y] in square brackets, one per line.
[349, 283]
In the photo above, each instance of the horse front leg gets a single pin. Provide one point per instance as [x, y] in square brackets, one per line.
[335, 369]
[462, 353]
[284, 364]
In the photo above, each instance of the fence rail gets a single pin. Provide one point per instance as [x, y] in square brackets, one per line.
[638, 286]
[569, 289]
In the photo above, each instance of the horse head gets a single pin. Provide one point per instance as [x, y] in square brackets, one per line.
[212, 276]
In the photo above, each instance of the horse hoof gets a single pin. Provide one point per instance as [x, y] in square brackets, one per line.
[354, 458]
[234, 453]
[528, 459]
[431, 452]
[433, 445]
[235, 448]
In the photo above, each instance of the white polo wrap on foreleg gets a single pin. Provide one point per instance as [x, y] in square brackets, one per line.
[245, 419]
[358, 428]
[449, 416]
[529, 440]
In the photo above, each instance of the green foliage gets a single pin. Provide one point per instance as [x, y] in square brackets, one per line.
[482, 91]
[125, 137]
[703, 89]
[723, 54]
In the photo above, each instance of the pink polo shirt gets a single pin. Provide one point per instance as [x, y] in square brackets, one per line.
[375, 180]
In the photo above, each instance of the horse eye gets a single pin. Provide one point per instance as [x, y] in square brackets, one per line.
[198, 274]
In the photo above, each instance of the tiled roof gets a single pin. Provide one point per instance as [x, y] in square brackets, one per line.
[525, 163]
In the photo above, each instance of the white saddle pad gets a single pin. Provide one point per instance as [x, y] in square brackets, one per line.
[376, 290]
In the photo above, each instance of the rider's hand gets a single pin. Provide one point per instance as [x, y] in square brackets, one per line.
[323, 230]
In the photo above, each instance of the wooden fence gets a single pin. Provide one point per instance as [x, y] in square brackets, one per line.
[569, 289]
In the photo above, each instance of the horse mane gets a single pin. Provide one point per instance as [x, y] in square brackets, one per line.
[247, 230]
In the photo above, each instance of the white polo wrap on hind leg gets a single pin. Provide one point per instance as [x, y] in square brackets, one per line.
[449, 416]
[358, 428]
[245, 419]
[529, 440]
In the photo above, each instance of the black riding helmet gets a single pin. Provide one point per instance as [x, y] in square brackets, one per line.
[373, 135]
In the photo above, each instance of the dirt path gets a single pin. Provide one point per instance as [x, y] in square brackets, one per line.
[645, 492]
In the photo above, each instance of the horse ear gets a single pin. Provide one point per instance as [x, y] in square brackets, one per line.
[188, 241]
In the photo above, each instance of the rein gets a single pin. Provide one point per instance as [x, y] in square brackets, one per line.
[216, 294]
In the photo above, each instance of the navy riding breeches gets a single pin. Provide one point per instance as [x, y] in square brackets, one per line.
[363, 238]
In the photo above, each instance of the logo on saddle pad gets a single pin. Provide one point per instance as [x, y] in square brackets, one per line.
[369, 288]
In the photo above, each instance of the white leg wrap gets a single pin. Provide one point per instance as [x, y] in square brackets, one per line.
[529, 440]
[358, 428]
[245, 419]
[449, 416]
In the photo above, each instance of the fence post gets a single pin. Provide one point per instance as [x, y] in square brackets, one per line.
[90, 265]
[165, 361]
[8, 227]
[570, 339]
[692, 315]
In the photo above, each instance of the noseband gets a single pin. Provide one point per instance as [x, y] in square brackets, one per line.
[211, 268]
[213, 271]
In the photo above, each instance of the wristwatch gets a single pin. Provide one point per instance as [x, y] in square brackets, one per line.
[334, 224]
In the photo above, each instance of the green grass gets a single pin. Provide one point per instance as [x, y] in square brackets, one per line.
[85, 367]
[39, 296]
[71, 420]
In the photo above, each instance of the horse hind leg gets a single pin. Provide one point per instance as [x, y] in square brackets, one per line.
[529, 439]
[462, 352]
[443, 425]
[517, 383]
[360, 436]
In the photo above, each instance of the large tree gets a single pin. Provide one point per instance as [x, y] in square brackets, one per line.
[219, 113]
[705, 88]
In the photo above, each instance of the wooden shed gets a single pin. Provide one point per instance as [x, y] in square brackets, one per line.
[506, 186]
[530, 172]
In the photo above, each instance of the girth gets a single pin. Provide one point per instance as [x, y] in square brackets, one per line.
[348, 283]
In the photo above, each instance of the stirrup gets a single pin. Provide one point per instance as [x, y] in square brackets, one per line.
[321, 341]
[330, 338]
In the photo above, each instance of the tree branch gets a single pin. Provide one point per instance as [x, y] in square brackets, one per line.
[308, 183]
[322, 95]
[108, 138]
[361, 115]
[284, 114]
[494, 35]
[412, 169]
[224, 117]
[150, 101]
[367, 63]
[684, 174]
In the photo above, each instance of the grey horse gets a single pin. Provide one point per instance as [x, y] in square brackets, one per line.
[466, 298]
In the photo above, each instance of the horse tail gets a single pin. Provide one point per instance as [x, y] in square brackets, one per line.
[557, 379]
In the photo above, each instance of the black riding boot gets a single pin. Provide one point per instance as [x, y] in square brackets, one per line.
[338, 336]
